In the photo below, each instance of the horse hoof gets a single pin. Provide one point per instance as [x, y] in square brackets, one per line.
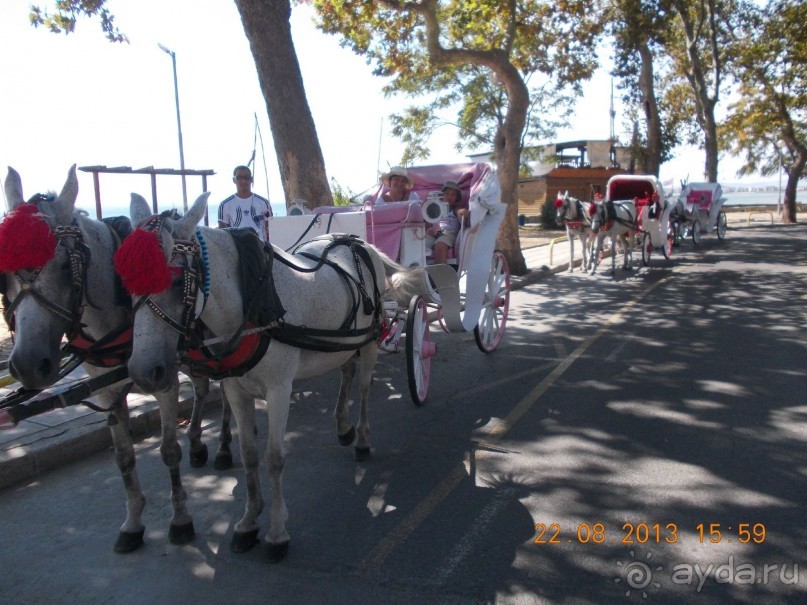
[223, 461]
[244, 541]
[361, 453]
[348, 437]
[129, 541]
[181, 534]
[199, 457]
[275, 553]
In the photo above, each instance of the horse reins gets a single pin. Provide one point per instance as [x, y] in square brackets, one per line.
[298, 336]
[192, 273]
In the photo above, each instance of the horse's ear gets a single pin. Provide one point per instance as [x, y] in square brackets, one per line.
[185, 226]
[138, 209]
[13, 187]
[64, 204]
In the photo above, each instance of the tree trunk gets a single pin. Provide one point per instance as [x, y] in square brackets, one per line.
[652, 160]
[508, 153]
[299, 156]
[794, 173]
[710, 144]
[507, 146]
[704, 102]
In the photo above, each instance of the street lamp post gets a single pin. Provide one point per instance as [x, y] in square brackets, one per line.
[179, 125]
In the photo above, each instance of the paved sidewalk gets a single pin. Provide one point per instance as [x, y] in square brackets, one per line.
[63, 435]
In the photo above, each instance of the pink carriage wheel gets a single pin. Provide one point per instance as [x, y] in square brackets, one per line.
[419, 350]
[495, 306]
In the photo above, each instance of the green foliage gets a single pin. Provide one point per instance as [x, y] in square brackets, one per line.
[550, 44]
[67, 12]
[772, 94]
[341, 197]
[547, 217]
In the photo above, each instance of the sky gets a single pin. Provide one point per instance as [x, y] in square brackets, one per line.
[81, 99]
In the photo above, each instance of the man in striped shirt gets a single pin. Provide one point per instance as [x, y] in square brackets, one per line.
[244, 208]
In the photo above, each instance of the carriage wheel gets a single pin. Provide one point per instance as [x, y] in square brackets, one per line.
[419, 349]
[666, 249]
[696, 232]
[495, 306]
[722, 225]
[647, 249]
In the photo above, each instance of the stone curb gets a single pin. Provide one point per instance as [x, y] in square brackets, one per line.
[76, 439]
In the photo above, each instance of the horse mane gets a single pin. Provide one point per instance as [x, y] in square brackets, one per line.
[261, 302]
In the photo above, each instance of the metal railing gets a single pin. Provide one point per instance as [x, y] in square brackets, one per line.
[552, 246]
[750, 214]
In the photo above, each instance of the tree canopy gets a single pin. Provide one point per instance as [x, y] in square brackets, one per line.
[768, 121]
[478, 57]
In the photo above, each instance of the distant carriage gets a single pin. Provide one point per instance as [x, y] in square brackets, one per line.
[699, 210]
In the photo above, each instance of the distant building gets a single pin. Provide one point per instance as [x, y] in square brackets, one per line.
[580, 167]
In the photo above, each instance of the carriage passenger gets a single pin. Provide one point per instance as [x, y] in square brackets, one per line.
[443, 235]
[399, 187]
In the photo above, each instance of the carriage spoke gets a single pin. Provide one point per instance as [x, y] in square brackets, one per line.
[493, 318]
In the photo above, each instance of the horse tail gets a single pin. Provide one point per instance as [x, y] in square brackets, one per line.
[402, 282]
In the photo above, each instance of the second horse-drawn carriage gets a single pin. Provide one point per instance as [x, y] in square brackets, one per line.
[470, 292]
[699, 210]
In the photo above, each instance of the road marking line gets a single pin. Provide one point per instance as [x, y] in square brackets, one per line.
[375, 559]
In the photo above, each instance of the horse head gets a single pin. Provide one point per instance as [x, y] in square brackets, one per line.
[596, 212]
[562, 208]
[159, 265]
[44, 261]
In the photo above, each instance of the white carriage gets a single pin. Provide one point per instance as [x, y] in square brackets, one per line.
[699, 210]
[470, 292]
[654, 229]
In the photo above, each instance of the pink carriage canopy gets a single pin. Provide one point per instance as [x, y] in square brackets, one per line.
[385, 221]
[431, 178]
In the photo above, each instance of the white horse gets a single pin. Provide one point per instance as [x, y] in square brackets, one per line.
[59, 279]
[570, 214]
[331, 290]
[618, 224]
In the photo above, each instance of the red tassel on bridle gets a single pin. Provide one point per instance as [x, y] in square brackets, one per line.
[141, 264]
[26, 239]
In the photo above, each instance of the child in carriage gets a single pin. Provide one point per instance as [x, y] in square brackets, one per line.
[443, 235]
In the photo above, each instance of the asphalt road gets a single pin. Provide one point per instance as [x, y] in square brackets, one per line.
[641, 438]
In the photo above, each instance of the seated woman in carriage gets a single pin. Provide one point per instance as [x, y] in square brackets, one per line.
[442, 236]
[398, 186]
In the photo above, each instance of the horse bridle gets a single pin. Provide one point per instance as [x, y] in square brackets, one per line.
[193, 274]
[562, 219]
[78, 257]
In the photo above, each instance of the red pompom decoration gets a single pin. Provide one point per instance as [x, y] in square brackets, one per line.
[592, 208]
[26, 239]
[558, 203]
[141, 264]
